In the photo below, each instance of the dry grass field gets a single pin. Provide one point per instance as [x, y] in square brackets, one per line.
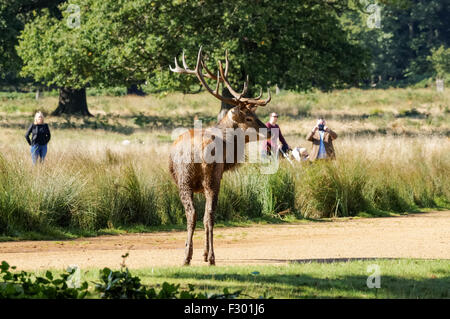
[393, 156]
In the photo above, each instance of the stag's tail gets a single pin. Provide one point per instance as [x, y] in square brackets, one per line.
[172, 170]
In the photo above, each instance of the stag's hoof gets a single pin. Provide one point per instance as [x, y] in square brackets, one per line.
[187, 263]
[212, 262]
[205, 257]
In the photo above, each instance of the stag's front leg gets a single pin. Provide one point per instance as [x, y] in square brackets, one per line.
[208, 221]
[205, 224]
[187, 198]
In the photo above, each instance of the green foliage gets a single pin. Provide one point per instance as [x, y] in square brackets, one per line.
[113, 285]
[410, 29]
[23, 285]
[297, 45]
[55, 53]
[14, 14]
[9, 28]
[122, 285]
[440, 58]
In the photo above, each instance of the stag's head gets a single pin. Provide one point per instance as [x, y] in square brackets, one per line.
[242, 115]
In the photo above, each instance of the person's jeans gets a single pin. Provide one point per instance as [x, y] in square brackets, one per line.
[285, 148]
[38, 151]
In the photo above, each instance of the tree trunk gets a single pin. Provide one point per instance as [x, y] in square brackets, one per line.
[72, 102]
[134, 89]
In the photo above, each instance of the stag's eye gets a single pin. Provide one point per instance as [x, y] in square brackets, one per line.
[249, 119]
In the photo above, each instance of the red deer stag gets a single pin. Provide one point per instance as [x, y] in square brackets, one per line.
[204, 176]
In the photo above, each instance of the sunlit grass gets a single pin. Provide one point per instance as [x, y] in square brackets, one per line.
[393, 156]
[399, 278]
[101, 184]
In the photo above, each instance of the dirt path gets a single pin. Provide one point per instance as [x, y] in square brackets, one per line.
[424, 235]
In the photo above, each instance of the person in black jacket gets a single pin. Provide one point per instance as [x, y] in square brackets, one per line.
[40, 136]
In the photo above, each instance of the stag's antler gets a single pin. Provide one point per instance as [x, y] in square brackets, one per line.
[249, 101]
[222, 75]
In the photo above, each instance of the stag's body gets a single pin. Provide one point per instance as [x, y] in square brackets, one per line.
[202, 176]
[198, 178]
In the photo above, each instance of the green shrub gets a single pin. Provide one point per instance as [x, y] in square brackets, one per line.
[113, 285]
[23, 285]
[110, 91]
[122, 285]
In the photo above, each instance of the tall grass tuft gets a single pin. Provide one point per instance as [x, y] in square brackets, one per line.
[15, 214]
[170, 208]
[127, 199]
[332, 189]
[115, 186]
[394, 177]
[239, 197]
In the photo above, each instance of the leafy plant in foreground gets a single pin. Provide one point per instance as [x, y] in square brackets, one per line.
[113, 285]
[122, 285]
[25, 285]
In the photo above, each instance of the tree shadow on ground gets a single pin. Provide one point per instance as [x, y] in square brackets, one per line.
[347, 286]
[128, 124]
[170, 122]
[346, 116]
[119, 124]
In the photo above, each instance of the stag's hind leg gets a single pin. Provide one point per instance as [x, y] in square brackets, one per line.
[208, 221]
[187, 198]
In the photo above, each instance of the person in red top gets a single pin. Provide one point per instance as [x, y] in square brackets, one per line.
[272, 144]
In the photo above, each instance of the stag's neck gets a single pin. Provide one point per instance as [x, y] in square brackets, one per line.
[226, 122]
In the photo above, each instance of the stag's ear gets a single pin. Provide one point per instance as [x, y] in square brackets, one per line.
[252, 107]
[233, 113]
[238, 110]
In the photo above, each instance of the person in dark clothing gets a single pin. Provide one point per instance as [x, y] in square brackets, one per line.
[272, 144]
[40, 136]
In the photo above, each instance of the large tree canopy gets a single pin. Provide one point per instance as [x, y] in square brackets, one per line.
[13, 15]
[295, 44]
[409, 31]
